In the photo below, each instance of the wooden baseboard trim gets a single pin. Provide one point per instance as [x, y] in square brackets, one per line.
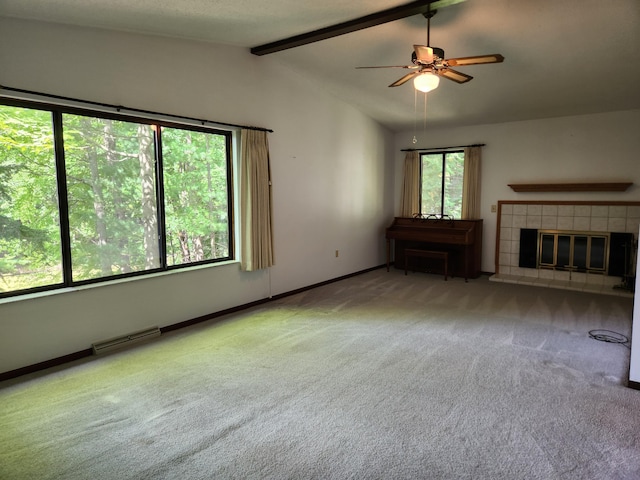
[55, 362]
[212, 316]
[326, 282]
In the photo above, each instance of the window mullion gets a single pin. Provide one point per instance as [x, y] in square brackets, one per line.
[63, 205]
[162, 234]
[230, 213]
[420, 188]
[444, 177]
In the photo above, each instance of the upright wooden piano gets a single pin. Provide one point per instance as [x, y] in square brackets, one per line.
[462, 239]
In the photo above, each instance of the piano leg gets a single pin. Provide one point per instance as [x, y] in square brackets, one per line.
[466, 265]
[388, 252]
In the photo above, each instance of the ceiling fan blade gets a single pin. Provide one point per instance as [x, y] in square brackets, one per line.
[444, 3]
[413, 67]
[458, 62]
[423, 53]
[404, 79]
[454, 75]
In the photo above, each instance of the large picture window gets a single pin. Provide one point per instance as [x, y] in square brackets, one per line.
[86, 197]
[441, 178]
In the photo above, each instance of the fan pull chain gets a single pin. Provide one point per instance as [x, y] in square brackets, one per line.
[425, 114]
[415, 115]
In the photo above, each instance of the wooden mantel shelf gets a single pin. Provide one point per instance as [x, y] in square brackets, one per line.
[570, 187]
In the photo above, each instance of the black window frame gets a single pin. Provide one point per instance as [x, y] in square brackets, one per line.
[57, 111]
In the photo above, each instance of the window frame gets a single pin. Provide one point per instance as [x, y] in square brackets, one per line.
[157, 122]
[443, 153]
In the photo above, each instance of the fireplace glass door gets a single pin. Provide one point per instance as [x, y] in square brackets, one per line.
[573, 251]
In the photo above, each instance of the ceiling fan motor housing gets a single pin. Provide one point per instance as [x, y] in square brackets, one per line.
[437, 52]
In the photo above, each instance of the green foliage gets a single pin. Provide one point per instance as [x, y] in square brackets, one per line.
[196, 199]
[454, 176]
[431, 184]
[29, 231]
[105, 196]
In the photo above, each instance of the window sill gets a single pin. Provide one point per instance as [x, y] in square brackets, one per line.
[117, 281]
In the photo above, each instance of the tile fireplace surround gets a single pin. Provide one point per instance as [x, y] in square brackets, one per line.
[566, 216]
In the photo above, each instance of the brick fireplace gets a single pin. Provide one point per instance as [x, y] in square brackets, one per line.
[575, 221]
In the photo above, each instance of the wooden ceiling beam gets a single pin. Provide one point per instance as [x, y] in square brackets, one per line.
[368, 21]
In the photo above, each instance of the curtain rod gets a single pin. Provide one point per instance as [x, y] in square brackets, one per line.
[134, 110]
[441, 148]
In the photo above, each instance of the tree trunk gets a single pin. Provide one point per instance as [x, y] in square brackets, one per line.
[212, 241]
[183, 234]
[149, 212]
[98, 200]
[184, 246]
[198, 249]
[211, 205]
[109, 142]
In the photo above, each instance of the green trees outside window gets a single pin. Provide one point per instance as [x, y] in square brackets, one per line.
[196, 195]
[30, 244]
[111, 196]
[86, 197]
[441, 183]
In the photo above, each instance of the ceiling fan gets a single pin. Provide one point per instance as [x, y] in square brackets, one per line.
[429, 64]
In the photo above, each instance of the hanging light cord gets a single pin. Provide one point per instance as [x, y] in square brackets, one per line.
[425, 114]
[415, 115]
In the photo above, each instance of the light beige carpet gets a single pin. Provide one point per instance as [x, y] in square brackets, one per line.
[381, 376]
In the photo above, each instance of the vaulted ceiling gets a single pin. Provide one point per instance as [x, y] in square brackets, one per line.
[562, 57]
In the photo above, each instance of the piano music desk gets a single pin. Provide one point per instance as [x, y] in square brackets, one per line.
[415, 252]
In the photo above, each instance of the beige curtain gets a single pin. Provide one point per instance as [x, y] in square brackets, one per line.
[471, 184]
[410, 202]
[255, 202]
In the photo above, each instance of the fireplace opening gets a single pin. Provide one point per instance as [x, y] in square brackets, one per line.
[606, 253]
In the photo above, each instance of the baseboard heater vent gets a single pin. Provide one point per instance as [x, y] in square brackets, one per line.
[124, 340]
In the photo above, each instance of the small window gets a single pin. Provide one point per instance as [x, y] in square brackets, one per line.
[441, 176]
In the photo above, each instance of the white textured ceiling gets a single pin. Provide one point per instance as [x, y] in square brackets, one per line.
[562, 57]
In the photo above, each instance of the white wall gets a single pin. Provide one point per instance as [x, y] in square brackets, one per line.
[332, 171]
[588, 148]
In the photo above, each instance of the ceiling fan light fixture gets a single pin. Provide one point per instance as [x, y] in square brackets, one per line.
[425, 82]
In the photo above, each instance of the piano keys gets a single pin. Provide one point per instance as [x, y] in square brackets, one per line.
[462, 239]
